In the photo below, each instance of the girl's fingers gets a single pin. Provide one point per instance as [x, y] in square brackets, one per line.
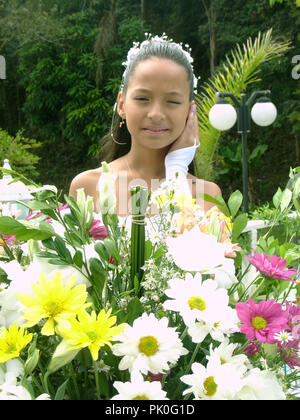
[195, 125]
[190, 135]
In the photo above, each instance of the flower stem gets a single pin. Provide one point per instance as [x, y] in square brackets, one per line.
[193, 358]
[184, 333]
[259, 289]
[97, 380]
[45, 382]
[285, 295]
[74, 381]
[241, 349]
[139, 200]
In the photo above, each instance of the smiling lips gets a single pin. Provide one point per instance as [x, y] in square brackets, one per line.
[156, 130]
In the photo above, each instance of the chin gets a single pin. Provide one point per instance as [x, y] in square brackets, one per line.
[158, 146]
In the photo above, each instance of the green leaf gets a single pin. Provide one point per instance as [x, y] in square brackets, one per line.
[101, 251]
[60, 393]
[239, 224]
[99, 275]
[296, 204]
[40, 205]
[218, 201]
[285, 199]
[57, 262]
[70, 221]
[36, 234]
[277, 198]
[9, 226]
[78, 259]
[134, 310]
[111, 249]
[136, 284]
[296, 188]
[234, 202]
[72, 204]
[49, 243]
[25, 231]
[160, 252]
[148, 249]
[47, 228]
[62, 250]
[46, 254]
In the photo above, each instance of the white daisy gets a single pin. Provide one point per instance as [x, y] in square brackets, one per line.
[283, 337]
[216, 381]
[223, 321]
[138, 389]
[148, 346]
[196, 300]
[225, 353]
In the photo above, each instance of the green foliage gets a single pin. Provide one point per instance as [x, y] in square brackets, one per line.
[18, 150]
[229, 156]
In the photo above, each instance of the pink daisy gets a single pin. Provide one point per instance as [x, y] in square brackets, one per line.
[274, 267]
[261, 321]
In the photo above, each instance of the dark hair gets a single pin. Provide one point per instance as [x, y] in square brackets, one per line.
[161, 48]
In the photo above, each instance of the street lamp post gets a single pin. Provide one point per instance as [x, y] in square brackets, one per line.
[223, 116]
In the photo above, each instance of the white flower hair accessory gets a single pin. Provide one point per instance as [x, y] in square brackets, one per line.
[137, 46]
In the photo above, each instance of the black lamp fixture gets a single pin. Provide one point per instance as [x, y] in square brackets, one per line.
[223, 116]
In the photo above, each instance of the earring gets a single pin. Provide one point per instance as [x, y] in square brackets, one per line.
[112, 136]
[112, 125]
[122, 123]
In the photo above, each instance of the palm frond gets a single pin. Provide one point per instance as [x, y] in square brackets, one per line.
[238, 71]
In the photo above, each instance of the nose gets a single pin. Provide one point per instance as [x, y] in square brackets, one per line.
[156, 112]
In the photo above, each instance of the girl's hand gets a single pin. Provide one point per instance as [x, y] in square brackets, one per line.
[190, 135]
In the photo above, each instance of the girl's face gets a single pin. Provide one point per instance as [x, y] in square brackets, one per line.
[156, 103]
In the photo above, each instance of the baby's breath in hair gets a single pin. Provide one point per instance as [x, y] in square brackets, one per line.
[137, 47]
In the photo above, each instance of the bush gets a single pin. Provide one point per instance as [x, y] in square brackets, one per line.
[18, 150]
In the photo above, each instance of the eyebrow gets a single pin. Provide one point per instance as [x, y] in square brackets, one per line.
[143, 90]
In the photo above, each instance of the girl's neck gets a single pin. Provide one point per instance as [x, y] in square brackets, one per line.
[147, 163]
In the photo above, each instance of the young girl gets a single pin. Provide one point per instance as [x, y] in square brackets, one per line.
[155, 133]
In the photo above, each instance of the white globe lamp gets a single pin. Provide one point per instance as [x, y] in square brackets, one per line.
[222, 115]
[264, 112]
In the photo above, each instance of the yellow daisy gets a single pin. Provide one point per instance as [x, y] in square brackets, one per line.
[53, 300]
[91, 330]
[12, 341]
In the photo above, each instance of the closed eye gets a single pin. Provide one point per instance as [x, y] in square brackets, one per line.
[141, 99]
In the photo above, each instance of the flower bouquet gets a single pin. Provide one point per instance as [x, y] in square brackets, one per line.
[167, 307]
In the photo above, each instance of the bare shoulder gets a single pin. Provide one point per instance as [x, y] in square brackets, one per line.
[87, 180]
[206, 187]
[212, 189]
